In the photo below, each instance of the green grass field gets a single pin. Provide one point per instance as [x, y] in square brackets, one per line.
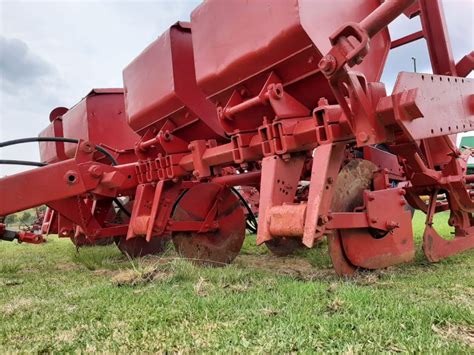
[53, 298]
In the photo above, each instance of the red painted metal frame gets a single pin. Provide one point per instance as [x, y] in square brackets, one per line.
[290, 114]
[278, 186]
[327, 160]
[407, 39]
[92, 119]
[72, 180]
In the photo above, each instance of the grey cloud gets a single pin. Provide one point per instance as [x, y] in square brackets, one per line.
[19, 66]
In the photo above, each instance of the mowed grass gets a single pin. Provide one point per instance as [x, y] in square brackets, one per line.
[53, 298]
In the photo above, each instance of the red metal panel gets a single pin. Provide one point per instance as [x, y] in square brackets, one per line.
[149, 85]
[48, 152]
[75, 125]
[160, 86]
[327, 160]
[95, 117]
[432, 105]
[254, 36]
[286, 36]
[106, 113]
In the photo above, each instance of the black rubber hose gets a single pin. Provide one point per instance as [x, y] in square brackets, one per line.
[122, 207]
[253, 218]
[250, 227]
[38, 139]
[21, 162]
[55, 139]
[58, 139]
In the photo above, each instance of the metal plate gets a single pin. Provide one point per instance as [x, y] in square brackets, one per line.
[444, 104]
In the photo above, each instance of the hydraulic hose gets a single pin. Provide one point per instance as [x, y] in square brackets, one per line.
[55, 139]
[252, 224]
[21, 162]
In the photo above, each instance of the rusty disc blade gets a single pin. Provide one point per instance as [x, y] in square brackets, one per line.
[138, 246]
[215, 248]
[355, 177]
[82, 240]
[366, 247]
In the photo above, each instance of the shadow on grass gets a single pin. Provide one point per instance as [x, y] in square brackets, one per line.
[303, 264]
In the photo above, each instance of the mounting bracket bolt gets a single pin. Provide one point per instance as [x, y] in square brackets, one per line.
[328, 64]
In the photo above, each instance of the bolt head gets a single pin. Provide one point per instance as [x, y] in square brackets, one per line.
[87, 147]
[327, 64]
[95, 171]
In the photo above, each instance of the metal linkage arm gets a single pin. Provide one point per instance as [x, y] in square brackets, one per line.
[352, 51]
[62, 180]
[39, 186]
[466, 65]
[383, 15]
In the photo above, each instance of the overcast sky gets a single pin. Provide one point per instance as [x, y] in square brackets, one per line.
[53, 53]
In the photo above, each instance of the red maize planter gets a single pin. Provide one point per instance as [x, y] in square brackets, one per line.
[283, 102]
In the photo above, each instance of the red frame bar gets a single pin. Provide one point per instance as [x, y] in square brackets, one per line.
[407, 39]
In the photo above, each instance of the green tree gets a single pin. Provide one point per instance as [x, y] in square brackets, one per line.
[11, 218]
[25, 217]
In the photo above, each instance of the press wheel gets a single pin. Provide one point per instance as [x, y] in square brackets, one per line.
[215, 248]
